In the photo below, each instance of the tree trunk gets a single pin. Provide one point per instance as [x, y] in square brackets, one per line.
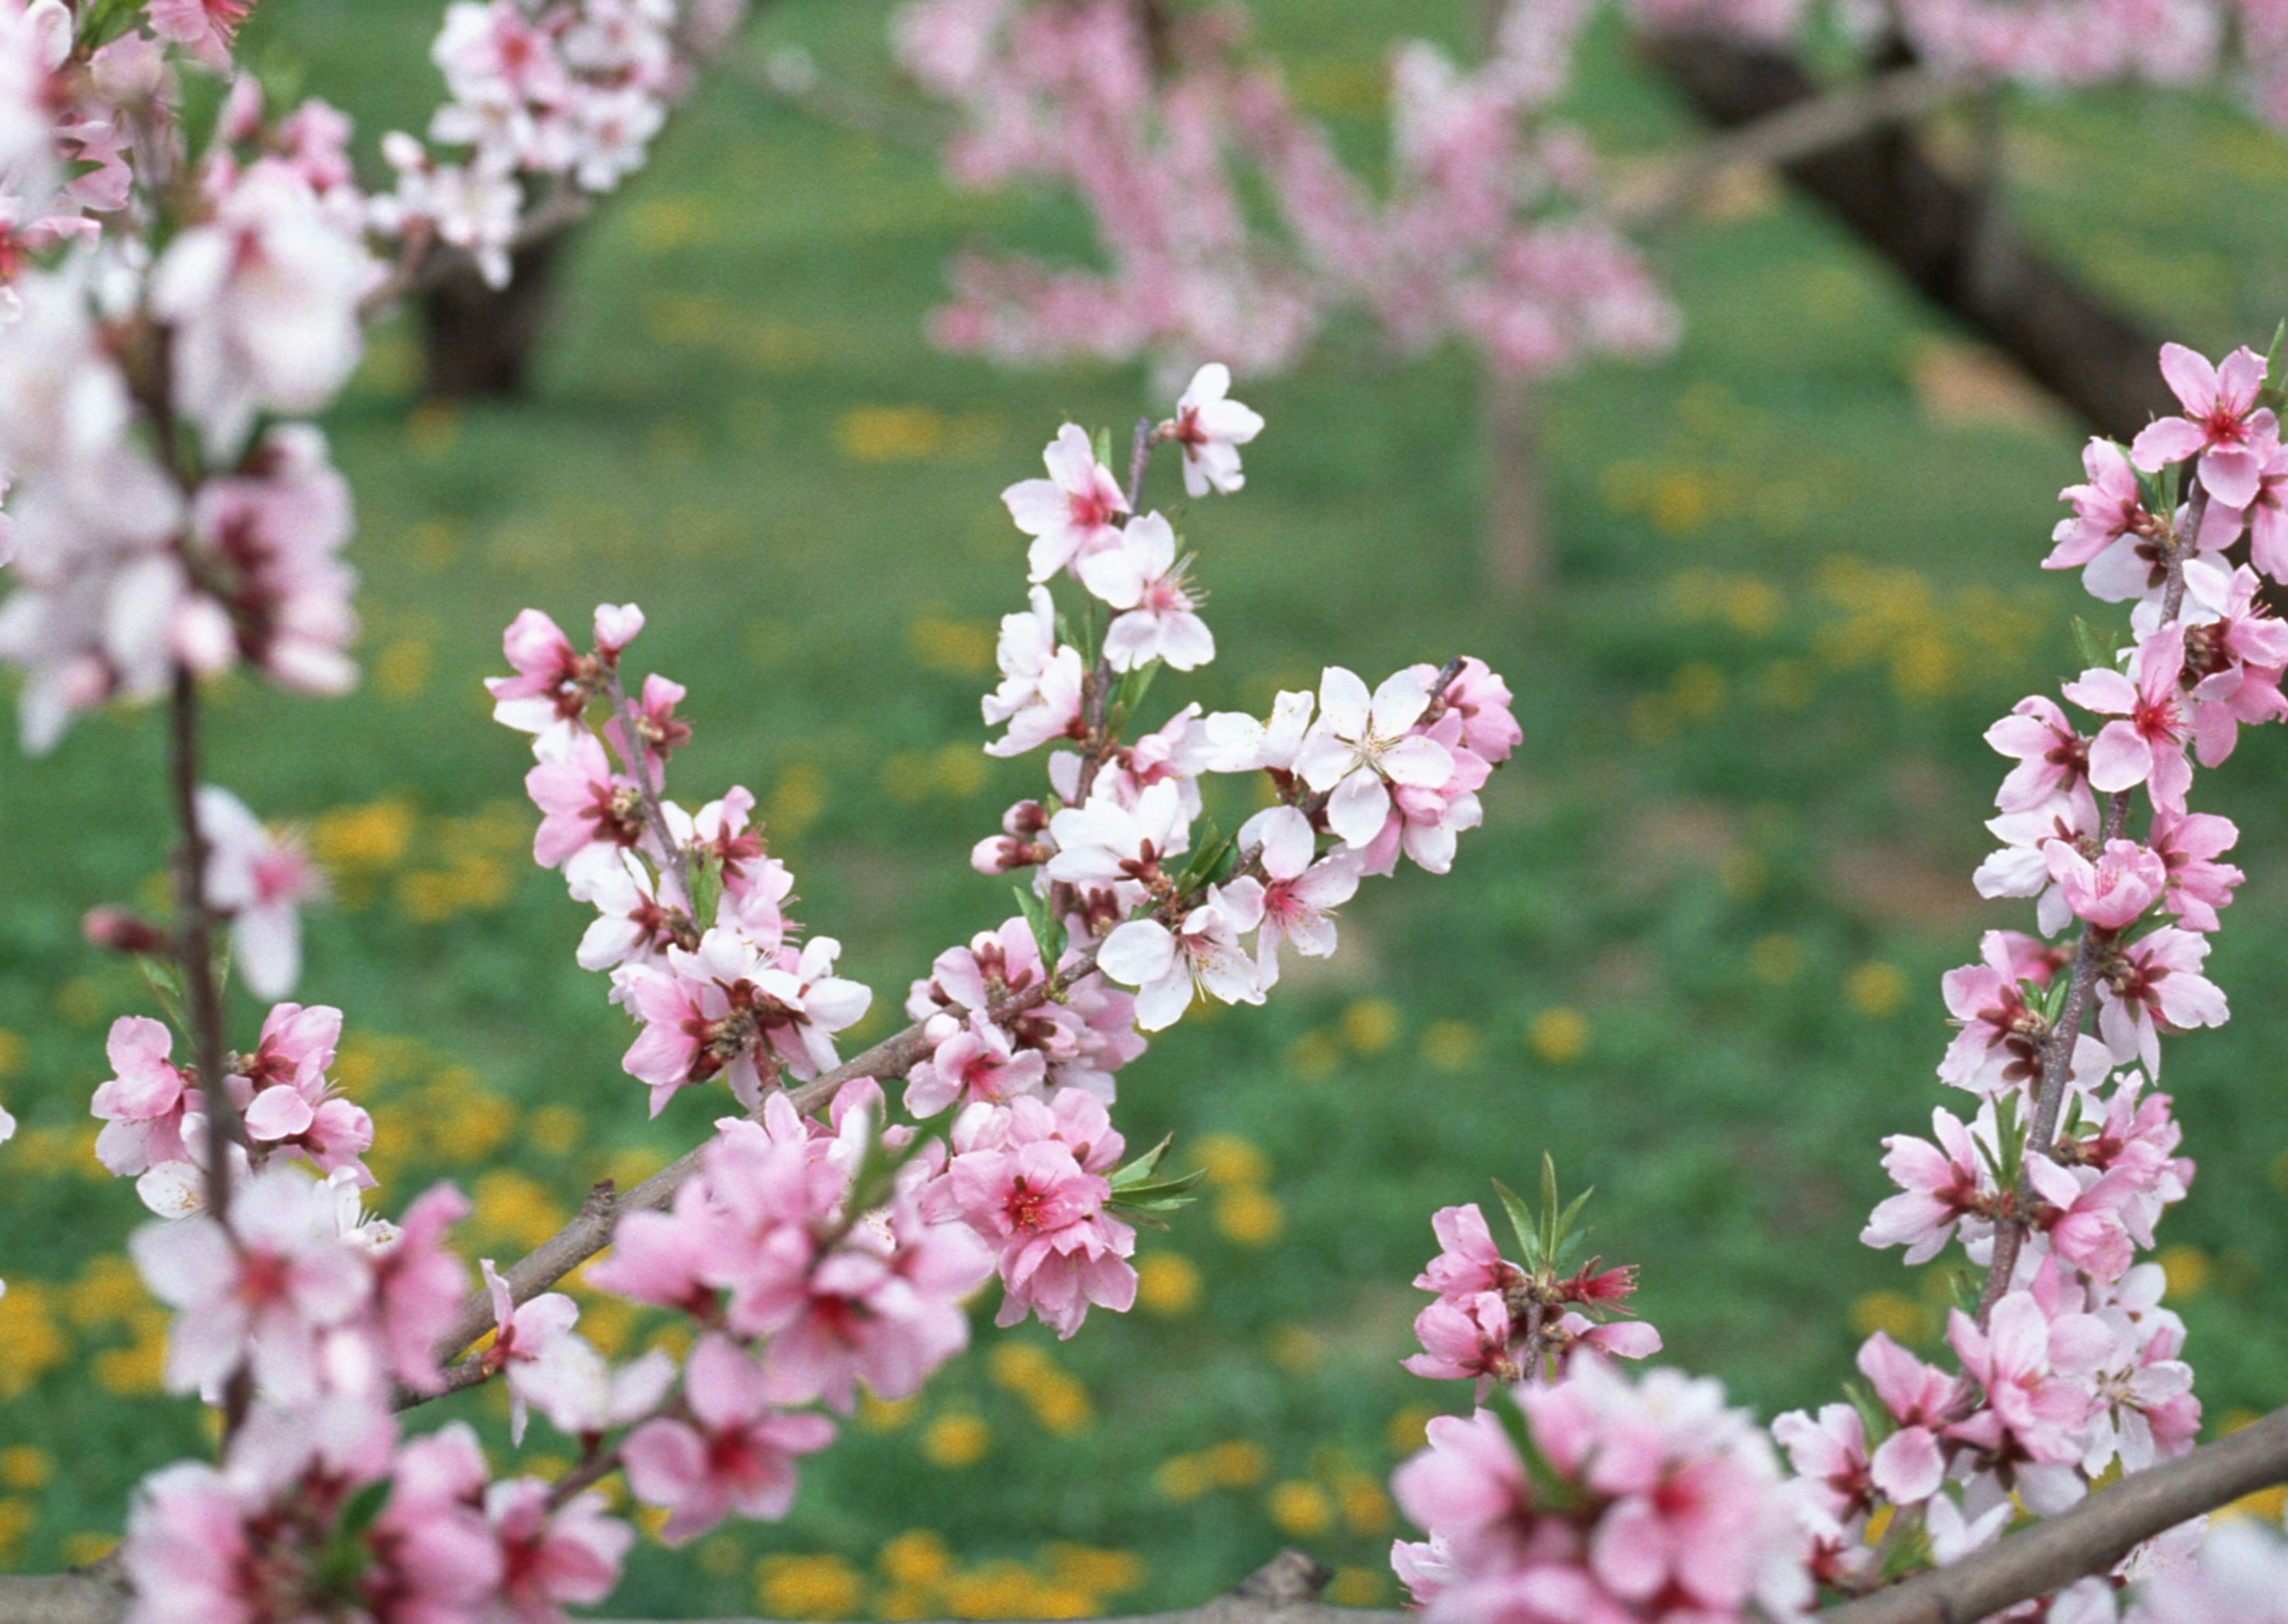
[1942, 236]
[1514, 547]
[479, 340]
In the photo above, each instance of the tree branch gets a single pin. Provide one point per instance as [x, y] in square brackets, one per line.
[1939, 234]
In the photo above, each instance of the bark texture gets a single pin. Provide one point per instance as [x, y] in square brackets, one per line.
[1941, 236]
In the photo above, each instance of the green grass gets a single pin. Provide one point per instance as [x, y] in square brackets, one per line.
[1731, 858]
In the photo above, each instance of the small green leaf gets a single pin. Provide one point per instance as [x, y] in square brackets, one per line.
[2096, 649]
[2275, 393]
[1521, 1219]
[1549, 1228]
[1136, 684]
[1048, 934]
[1874, 1420]
[1140, 1168]
[1553, 1493]
[1104, 447]
[706, 869]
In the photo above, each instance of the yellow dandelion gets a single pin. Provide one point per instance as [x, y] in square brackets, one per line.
[1371, 1025]
[1876, 989]
[1229, 1159]
[955, 1441]
[79, 1549]
[2186, 1269]
[11, 1053]
[1900, 1318]
[1252, 1217]
[889, 433]
[513, 1206]
[1183, 1477]
[141, 1366]
[31, 1342]
[1088, 1567]
[1239, 1464]
[1408, 1429]
[808, 1587]
[885, 1414]
[1358, 1587]
[1450, 1045]
[26, 1466]
[555, 1130]
[1303, 1509]
[1558, 1036]
[1365, 1507]
[916, 1557]
[1167, 1284]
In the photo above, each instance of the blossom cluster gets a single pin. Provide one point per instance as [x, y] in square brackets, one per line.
[565, 94]
[1161, 124]
[155, 1118]
[1597, 1499]
[2055, 1183]
[1502, 1324]
[2069, 1368]
[1020, 1034]
[299, 1317]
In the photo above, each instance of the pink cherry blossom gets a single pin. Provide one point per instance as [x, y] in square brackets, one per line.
[1140, 575]
[1069, 513]
[1028, 1177]
[1210, 428]
[260, 879]
[2148, 745]
[1361, 746]
[1039, 696]
[2154, 981]
[2051, 757]
[551, 1557]
[1942, 1186]
[2114, 891]
[1299, 893]
[2223, 424]
[1200, 954]
[735, 1453]
[2198, 885]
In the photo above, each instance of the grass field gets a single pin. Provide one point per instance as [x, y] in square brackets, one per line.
[1693, 953]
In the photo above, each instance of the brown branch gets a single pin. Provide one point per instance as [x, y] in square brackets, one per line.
[2089, 1538]
[1793, 130]
[1938, 235]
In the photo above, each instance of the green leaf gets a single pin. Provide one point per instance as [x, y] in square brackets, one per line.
[1549, 1231]
[1873, 1418]
[706, 867]
[1048, 934]
[2275, 393]
[1104, 447]
[2095, 648]
[1552, 1491]
[1521, 1219]
[1140, 1168]
[165, 979]
[1136, 684]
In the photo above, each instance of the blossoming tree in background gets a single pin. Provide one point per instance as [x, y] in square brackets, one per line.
[186, 294]
[1499, 226]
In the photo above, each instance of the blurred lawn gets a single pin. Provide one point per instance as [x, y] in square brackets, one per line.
[1694, 953]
